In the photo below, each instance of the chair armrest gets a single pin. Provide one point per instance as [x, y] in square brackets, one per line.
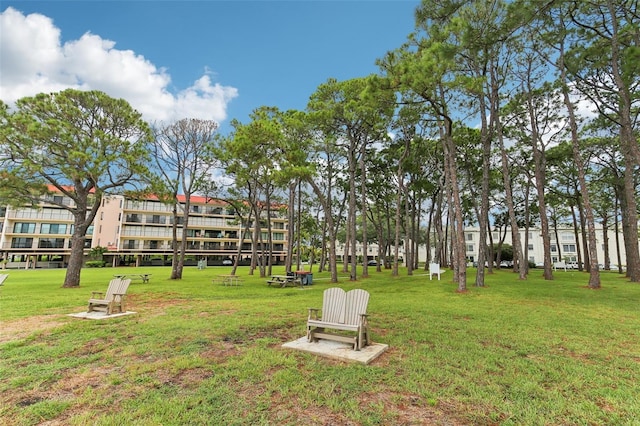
[313, 313]
[94, 294]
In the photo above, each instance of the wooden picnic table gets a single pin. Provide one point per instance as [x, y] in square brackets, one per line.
[144, 277]
[282, 280]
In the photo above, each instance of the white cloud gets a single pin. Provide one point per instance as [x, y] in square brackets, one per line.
[33, 60]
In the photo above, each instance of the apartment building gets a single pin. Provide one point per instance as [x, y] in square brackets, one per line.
[564, 248]
[134, 232]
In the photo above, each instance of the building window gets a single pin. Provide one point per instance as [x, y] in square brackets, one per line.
[53, 228]
[554, 248]
[22, 243]
[569, 248]
[469, 237]
[530, 247]
[470, 247]
[24, 228]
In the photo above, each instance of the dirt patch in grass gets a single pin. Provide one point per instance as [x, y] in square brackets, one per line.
[19, 329]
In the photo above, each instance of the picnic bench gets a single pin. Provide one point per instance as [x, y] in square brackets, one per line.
[343, 311]
[111, 301]
[282, 280]
[229, 280]
[3, 277]
[143, 277]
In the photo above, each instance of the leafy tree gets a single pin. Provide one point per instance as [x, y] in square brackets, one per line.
[252, 154]
[425, 66]
[83, 145]
[182, 152]
[603, 63]
[356, 116]
[97, 252]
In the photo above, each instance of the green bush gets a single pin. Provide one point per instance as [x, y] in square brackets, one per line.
[95, 264]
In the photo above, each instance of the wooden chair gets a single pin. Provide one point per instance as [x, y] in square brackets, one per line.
[113, 301]
[3, 277]
[344, 311]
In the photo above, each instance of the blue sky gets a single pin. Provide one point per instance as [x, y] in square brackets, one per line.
[207, 59]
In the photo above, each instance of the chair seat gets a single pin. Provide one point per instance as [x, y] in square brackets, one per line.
[334, 325]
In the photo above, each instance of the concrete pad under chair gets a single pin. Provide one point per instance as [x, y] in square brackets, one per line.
[338, 350]
[98, 315]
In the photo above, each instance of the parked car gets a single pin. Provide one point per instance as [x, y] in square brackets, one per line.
[372, 263]
[227, 262]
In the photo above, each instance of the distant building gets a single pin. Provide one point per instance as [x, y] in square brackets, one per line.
[564, 250]
[136, 232]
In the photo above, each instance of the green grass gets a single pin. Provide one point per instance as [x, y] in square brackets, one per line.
[534, 352]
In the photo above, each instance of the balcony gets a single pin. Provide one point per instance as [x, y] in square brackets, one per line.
[51, 243]
[156, 220]
[133, 218]
[22, 243]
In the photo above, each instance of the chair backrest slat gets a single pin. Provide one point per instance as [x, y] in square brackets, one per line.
[355, 304]
[124, 285]
[117, 286]
[333, 300]
[343, 307]
[113, 288]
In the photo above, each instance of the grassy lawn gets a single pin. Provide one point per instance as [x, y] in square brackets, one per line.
[534, 352]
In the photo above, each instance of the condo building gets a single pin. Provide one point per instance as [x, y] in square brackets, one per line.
[564, 247]
[134, 232]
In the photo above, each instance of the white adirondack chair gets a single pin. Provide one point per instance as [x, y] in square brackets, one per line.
[434, 269]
